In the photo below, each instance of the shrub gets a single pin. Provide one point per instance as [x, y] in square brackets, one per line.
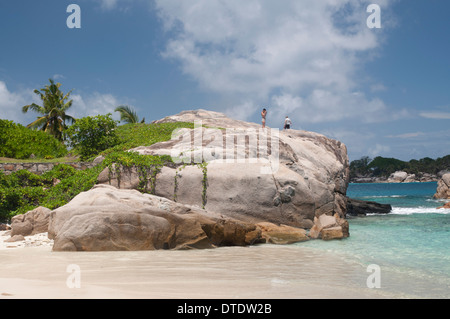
[19, 200]
[17, 141]
[23, 191]
[93, 134]
[59, 171]
[71, 186]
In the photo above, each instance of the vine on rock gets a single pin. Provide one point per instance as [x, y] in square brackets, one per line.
[148, 166]
[203, 167]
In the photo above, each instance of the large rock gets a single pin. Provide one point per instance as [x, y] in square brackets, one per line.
[357, 207]
[443, 187]
[107, 218]
[31, 223]
[289, 180]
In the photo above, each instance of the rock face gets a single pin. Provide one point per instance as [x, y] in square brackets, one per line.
[361, 208]
[107, 218]
[252, 175]
[443, 187]
[31, 223]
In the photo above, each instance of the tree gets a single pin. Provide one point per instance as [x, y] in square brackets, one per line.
[383, 166]
[128, 115]
[360, 167]
[92, 134]
[53, 110]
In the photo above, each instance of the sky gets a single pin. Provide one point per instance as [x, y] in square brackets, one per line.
[381, 91]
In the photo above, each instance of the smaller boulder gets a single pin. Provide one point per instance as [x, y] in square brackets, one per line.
[443, 187]
[15, 238]
[4, 227]
[281, 234]
[446, 205]
[31, 223]
[329, 227]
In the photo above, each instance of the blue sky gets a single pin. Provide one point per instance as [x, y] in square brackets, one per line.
[382, 92]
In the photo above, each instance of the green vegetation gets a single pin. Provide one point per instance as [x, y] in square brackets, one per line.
[204, 168]
[92, 134]
[53, 110]
[383, 167]
[23, 191]
[134, 135]
[148, 167]
[128, 115]
[17, 141]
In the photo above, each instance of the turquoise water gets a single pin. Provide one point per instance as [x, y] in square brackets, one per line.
[411, 245]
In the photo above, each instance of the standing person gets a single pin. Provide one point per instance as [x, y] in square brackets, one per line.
[287, 123]
[263, 115]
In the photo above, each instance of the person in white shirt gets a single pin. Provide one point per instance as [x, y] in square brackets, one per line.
[287, 123]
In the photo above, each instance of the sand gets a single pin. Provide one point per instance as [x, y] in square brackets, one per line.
[30, 269]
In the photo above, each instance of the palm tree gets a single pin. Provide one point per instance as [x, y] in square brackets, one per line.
[53, 110]
[128, 115]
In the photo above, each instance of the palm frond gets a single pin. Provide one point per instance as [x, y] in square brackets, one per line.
[127, 114]
[39, 123]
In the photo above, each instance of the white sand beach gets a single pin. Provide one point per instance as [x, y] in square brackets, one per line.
[30, 269]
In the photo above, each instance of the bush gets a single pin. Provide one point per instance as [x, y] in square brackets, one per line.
[60, 171]
[23, 191]
[17, 141]
[93, 134]
[71, 186]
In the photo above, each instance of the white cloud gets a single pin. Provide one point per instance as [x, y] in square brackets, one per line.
[108, 4]
[407, 135]
[379, 150]
[11, 104]
[120, 5]
[58, 76]
[436, 115]
[300, 55]
[94, 104]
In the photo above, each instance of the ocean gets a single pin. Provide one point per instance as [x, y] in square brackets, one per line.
[410, 247]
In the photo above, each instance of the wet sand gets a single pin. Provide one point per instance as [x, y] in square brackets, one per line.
[256, 272]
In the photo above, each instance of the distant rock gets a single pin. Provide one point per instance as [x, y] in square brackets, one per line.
[398, 177]
[443, 187]
[361, 208]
